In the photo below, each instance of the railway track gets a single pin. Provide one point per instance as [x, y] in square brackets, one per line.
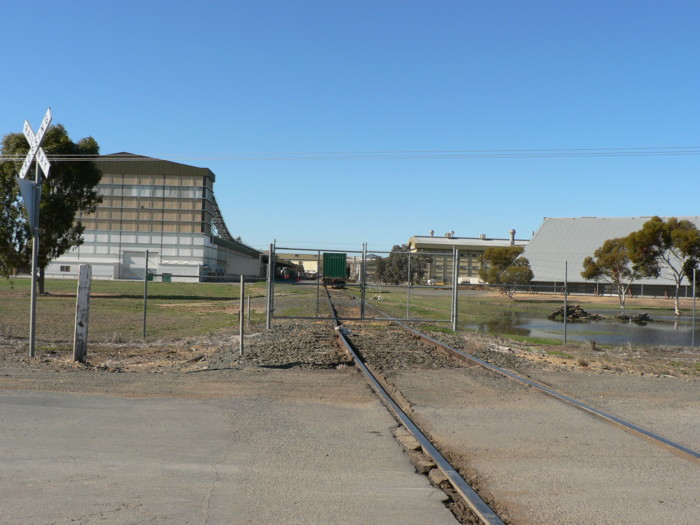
[400, 406]
[476, 505]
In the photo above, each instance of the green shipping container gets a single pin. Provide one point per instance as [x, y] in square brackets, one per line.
[334, 265]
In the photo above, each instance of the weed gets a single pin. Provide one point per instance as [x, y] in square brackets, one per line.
[533, 340]
[433, 328]
[559, 353]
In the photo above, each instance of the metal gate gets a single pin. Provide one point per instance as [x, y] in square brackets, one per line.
[397, 285]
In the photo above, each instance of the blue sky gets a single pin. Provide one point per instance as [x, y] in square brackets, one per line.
[251, 89]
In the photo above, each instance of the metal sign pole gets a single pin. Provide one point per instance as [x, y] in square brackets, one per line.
[32, 195]
[35, 262]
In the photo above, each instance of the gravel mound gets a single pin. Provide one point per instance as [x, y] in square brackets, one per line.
[292, 345]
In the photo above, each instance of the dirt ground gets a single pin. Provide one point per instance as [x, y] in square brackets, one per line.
[280, 361]
[313, 345]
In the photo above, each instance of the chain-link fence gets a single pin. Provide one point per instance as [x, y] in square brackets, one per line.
[387, 285]
[121, 311]
[428, 288]
[444, 288]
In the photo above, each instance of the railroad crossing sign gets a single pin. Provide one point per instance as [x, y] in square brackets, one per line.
[35, 149]
[31, 193]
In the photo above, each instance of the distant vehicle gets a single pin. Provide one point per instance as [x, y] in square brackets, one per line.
[335, 269]
[289, 273]
[211, 272]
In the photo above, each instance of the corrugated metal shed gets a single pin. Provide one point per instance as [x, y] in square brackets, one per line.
[562, 240]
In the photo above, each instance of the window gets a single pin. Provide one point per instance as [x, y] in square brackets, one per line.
[65, 268]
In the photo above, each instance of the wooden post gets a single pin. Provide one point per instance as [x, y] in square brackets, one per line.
[82, 310]
[242, 317]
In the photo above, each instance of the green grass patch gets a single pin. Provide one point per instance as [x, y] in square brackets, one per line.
[533, 340]
[435, 328]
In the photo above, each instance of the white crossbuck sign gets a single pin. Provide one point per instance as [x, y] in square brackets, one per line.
[35, 149]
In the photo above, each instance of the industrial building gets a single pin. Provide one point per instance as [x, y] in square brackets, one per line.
[470, 251]
[558, 248]
[164, 208]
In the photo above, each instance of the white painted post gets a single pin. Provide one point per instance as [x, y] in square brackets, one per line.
[82, 311]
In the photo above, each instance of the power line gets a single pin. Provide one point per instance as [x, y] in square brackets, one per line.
[388, 155]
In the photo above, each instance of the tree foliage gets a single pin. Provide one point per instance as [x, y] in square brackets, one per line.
[506, 267]
[401, 266]
[611, 262]
[69, 191]
[672, 245]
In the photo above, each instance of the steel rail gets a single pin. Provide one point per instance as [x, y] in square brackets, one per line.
[330, 318]
[473, 500]
[674, 447]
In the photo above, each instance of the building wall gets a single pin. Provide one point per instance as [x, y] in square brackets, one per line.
[164, 207]
[470, 251]
[560, 245]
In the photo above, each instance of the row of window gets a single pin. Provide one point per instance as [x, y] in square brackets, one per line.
[149, 215]
[147, 226]
[156, 180]
[132, 190]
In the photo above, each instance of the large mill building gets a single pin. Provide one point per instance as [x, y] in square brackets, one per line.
[164, 208]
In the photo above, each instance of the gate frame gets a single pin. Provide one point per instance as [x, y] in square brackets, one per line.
[362, 285]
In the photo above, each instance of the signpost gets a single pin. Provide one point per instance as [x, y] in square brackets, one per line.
[31, 193]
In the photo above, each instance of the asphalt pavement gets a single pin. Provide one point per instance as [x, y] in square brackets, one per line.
[89, 458]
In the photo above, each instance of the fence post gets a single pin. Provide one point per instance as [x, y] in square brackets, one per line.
[241, 316]
[82, 313]
[145, 295]
[566, 293]
[455, 288]
[270, 287]
[363, 281]
[692, 336]
[408, 292]
[318, 283]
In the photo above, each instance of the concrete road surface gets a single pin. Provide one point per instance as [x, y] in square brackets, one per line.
[250, 454]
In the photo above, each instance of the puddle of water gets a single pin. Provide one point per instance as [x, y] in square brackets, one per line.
[663, 331]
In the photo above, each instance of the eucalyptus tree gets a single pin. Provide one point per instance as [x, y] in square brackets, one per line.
[67, 193]
[611, 263]
[506, 267]
[672, 245]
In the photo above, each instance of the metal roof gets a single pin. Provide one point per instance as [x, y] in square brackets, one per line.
[129, 163]
[570, 240]
[463, 243]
